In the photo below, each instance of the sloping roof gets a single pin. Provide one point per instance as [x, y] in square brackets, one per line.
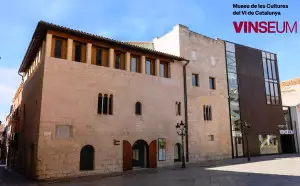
[290, 82]
[41, 30]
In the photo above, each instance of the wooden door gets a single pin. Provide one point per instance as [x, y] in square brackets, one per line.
[152, 154]
[127, 156]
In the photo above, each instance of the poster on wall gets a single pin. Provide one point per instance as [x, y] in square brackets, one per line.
[161, 149]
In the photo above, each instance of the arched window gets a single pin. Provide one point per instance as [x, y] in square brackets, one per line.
[177, 152]
[207, 113]
[99, 103]
[110, 105]
[138, 108]
[87, 158]
[105, 104]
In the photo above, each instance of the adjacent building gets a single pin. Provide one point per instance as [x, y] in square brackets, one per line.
[208, 122]
[254, 100]
[92, 105]
[290, 91]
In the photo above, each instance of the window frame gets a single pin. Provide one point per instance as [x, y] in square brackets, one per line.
[212, 83]
[196, 80]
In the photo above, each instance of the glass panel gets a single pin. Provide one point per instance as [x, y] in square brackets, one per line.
[230, 47]
[233, 86]
[274, 70]
[268, 55]
[230, 59]
[162, 70]
[265, 68]
[148, 66]
[77, 52]
[267, 87]
[272, 89]
[194, 80]
[263, 54]
[268, 144]
[212, 83]
[272, 56]
[133, 64]
[58, 47]
[118, 61]
[269, 69]
[276, 89]
[268, 99]
[98, 56]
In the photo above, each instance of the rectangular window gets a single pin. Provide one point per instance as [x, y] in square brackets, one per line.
[211, 137]
[150, 67]
[133, 64]
[99, 57]
[269, 69]
[163, 69]
[161, 149]
[274, 70]
[207, 113]
[195, 80]
[77, 52]
[118, 61]
[265, 68]
[271, 79]
[178, 108]
[59, 47]
[212, 83]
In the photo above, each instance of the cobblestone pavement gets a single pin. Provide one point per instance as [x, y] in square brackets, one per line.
[261, 171]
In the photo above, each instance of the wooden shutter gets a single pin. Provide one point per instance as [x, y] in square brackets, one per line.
[83, 53]
[53, 46]
[127, 156]
[104, 57]
[64, 49]
[152, 154]
[122, 61]
[94, 50]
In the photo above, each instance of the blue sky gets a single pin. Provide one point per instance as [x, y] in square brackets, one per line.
[140, 20]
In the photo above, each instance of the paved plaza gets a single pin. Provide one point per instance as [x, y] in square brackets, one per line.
[262, 171]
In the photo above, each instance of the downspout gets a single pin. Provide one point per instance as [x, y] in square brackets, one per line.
[186, 111]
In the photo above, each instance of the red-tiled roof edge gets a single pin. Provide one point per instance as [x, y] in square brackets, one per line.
[46, 25]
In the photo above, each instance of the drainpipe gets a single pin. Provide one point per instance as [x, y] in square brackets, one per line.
[186, 111]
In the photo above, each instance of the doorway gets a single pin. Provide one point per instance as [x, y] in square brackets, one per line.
[140, 154]
[287, 143]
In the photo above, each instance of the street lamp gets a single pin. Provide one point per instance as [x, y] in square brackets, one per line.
[181, 129]
[245, 129]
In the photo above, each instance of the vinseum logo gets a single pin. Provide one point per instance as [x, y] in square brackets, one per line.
[265, 27]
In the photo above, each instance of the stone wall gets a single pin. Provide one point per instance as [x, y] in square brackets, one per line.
[70, 93]
[207, 58]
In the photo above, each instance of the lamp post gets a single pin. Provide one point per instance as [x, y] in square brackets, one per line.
[245, 128]
[181, 131]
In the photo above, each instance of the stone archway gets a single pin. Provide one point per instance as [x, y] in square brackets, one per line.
[140, 154]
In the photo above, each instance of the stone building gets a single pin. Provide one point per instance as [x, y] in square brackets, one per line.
[93, 105]
[208, 114]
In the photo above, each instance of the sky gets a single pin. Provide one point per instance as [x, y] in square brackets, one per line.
[136, 20]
